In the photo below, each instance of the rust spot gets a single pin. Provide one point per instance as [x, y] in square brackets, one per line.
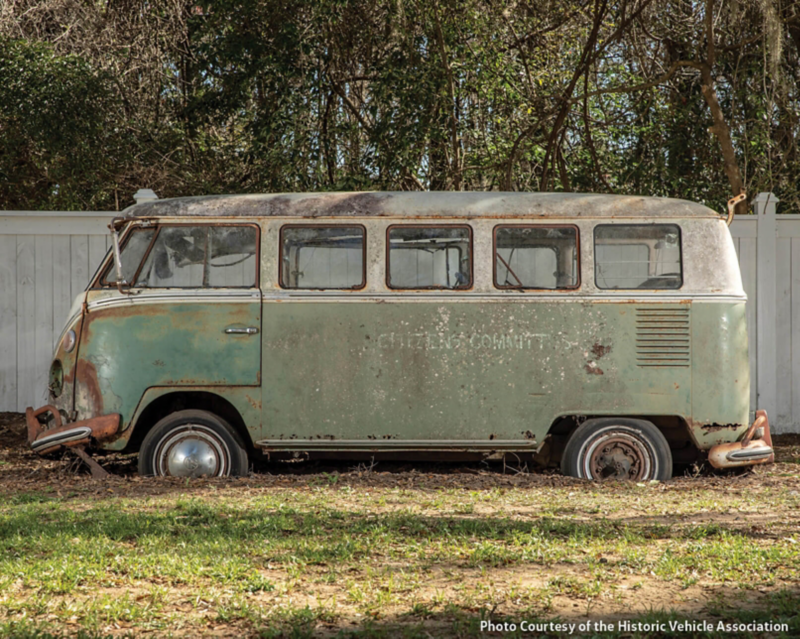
[593, 369]
[713, 428]
[598, 350]
[492, 436]
[86, 375]
[676, 386]
[528, 435]
[159, 363]
[253, 402]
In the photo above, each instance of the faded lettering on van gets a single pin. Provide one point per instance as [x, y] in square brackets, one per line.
[476, 341]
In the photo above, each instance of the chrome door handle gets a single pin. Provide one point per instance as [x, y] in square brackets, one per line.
[249, 330]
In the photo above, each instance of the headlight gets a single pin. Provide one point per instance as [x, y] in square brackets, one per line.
[69, 341]
[56, 378]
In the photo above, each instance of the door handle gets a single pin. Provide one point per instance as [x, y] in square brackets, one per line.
[235, 330]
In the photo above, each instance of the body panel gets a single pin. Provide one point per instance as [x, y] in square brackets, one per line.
[720, 373]
[129, 344]
[502, 369]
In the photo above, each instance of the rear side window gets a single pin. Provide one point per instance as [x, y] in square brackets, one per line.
[638, 256]
[536, 257]
[323, 257]
[201, 257]
[429, 257]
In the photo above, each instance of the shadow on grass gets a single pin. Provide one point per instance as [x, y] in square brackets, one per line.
[41, 518]
[775, 616]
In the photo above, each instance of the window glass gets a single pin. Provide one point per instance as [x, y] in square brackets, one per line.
[322, 257]
[201, 257]
[638, 256]
[536, 257]
[233, 261]
[429, 257]
[131, 254]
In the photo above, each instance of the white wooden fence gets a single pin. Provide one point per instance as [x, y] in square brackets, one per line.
[46, 259]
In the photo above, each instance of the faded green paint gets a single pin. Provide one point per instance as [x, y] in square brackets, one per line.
[125, 350]
[416, 370]
[467, 370]
[720, 373]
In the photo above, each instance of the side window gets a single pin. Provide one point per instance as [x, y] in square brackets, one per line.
[638, 256]
[202, 257]
[536, 257]
[323, 257]
[429, 257]
[131, 254]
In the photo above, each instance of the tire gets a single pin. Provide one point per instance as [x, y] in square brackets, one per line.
[192, 443]
[617, 448]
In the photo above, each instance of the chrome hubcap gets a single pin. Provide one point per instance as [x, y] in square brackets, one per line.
[192, 450]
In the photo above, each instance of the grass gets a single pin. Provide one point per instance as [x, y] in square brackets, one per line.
[325, 557]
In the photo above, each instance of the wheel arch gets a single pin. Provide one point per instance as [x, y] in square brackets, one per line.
[675, 429]
[173, 401]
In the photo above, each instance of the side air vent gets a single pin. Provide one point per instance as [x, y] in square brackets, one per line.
[662, 337]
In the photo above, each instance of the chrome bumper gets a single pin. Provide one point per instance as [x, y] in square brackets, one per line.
[748, 451]
[45, 440]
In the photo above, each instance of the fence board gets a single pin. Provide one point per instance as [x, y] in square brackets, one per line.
[62, 285]
[8, 322]
[747, 262]
[26, 311]
[97, 251]
[783, 322]
[43, 318]
[79, 254]
[792, 426]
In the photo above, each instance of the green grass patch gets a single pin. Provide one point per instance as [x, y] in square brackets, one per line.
[326, 557]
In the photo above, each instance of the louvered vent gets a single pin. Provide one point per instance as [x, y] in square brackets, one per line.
[662, 337]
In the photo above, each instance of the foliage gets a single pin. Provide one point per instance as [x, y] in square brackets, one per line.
[189, 97]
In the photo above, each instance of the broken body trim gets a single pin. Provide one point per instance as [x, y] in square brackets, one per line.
[46, 440]
[747, 451]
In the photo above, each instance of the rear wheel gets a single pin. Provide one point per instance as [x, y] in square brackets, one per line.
[192, 443]
[617, 449]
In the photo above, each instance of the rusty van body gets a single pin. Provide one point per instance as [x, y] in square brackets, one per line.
[606, 333]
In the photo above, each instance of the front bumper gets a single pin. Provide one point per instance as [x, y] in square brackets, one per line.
[46, 440]
[748, 451]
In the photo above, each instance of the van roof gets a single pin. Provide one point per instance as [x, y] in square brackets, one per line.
[421, 204]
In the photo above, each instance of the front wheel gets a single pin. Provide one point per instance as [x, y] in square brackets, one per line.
[192, 443]
[617, 449]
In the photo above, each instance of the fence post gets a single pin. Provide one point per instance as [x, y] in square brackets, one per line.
[766, 298]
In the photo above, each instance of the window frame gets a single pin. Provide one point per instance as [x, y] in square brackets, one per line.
[470, 237]
[323, 226]
[639, 224]
[158, 226]
[531, 288]
[106, 269]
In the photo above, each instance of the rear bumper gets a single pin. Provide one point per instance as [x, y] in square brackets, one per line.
[46, 440]
[747, 451]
